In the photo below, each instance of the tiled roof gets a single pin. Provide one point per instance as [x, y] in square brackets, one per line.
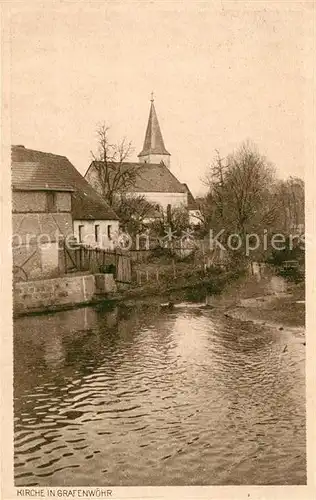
[192, 205]
[32, 176]
[153, 143]
[87, 204]
[152, 177]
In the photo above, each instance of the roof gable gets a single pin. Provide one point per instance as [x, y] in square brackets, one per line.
[192, 204]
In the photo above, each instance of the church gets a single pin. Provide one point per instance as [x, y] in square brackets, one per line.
[153, 176]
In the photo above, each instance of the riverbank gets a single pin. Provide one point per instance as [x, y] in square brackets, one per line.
[265, 300]
[281, 310]
[59, 294]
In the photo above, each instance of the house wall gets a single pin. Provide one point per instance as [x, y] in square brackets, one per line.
[28, 201]
[63, 202]
[36, 201]
[36, 233]
[165, 199]
[88, 232]
[35, 243]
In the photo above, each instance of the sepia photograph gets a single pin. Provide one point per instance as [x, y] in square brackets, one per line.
[157, 174]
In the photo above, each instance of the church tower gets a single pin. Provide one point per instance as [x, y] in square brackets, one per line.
[154, 150]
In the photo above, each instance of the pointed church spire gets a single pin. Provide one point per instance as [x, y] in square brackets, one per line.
[154, 150]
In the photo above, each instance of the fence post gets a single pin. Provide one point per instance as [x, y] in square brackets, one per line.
[86, 263]
[97, 258]
[174, 269]
[157, 274]
[81, 259]
[61, 257]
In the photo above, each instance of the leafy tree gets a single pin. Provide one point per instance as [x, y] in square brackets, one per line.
[134, 212]
[174, 218]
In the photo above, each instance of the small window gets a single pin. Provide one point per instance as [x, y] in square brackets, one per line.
[109, 231]
[97, 233]
[80, 230]
[51, 202]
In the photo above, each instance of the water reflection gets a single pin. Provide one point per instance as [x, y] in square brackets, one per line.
[140, 396]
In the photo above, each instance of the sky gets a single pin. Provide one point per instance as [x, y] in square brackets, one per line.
[221, 74]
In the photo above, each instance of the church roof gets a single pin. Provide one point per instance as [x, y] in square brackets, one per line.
[156, 177]
[151, 177]
[36, 170]
[153, 143]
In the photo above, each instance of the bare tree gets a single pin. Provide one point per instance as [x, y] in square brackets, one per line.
[214, 179]
[212, 206]
[248, 179]
[291, 196]
[239, 196]
[113, 174]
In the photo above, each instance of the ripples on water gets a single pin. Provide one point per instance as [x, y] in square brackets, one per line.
[137, 396]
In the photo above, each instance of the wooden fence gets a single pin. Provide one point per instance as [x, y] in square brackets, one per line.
[96, 260]
[141, 255]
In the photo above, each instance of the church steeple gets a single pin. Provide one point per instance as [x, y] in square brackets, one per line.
[154, 150]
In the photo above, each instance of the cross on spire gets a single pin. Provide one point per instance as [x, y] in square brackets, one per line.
[152, 97]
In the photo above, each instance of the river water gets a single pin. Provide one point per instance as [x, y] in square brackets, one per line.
[146, 396]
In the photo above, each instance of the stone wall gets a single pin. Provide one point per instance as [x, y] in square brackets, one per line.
[39, 295]
[56, 293]
[104, 283]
